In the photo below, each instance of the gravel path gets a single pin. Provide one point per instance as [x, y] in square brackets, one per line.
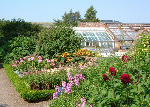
[10, 98]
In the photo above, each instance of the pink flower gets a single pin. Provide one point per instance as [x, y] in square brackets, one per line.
[79, 67]
[25, 73]
[40, 58]
[55, 95]
[77, 82]
[83, 102]
[47, 60]
[32, 58]
[52, 64]
[39, 61]
[21, 60]
[81, 77]
[125, 58]
[91, 105]
[14, 65]
[52, 61]
[24, 58]
[64, 84]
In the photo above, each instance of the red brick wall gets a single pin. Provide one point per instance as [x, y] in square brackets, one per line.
[90, 24]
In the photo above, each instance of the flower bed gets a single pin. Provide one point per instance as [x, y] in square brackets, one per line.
[25, 92]
[39, 74]
[115, 82]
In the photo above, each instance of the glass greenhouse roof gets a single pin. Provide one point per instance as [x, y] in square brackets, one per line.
[123, 34]
[95, 36]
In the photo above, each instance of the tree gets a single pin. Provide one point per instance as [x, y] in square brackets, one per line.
[70, 18]
[90, 15]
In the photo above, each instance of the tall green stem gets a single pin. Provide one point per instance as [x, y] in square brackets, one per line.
[127, 96]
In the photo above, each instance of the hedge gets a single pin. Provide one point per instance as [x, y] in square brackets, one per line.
[26, 93]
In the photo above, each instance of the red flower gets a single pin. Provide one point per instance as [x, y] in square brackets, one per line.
[112, 71]
[125, 58]
[105, 77]
[125, 78]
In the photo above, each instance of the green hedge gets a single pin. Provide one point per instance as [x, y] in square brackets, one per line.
[26, 93]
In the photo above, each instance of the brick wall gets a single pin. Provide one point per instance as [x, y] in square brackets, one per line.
[91, 24]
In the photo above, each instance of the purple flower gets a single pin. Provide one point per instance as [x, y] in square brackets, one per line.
[79, 67]
[70, 78]
[81, 77]
[56, 88]
[82, 100]
[55, 95]
[64, 84]
[76, 82]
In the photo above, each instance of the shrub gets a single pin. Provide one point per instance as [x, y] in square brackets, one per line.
[10, 32]
[19, 47]
[57, 39]
[16, 27]
[25, 92]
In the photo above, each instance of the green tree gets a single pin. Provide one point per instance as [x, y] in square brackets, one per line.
[70, 18]
[90, 15]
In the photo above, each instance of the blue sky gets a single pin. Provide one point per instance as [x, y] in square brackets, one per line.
[131, 11]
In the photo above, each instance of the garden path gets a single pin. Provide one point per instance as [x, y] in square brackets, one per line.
[9, 96]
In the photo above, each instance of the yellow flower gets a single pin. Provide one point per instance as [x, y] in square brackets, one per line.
[88, 53]
[69, 59]
[65, 54]
[55, 59]
[75, 54]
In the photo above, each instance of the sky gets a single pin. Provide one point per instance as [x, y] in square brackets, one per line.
[127, 11]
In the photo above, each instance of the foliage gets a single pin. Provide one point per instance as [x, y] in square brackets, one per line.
[70, 18]
[114, 91]
[9, 31]
[57, 39]
[43, 80]
[90, 15]
[25, 92]
[18, 47]
[14, 28]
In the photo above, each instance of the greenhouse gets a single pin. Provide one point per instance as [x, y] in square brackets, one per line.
[94, 37]
[110, 36]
